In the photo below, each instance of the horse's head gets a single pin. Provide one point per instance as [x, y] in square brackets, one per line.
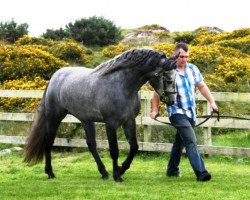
[163, 80]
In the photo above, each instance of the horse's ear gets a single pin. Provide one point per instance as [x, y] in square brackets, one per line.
[170, 63]
[173, 61]
[174, 57]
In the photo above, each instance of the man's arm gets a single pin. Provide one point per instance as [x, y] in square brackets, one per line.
[207, 94]
[155, 106]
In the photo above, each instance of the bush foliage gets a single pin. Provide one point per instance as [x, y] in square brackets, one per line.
[223, 58]
[27, 61]
[94, 31]
[71, 51]
[21, 104]
[27, 40]
[11, 31]
[58, 34]
[114, 50]
[225, 69]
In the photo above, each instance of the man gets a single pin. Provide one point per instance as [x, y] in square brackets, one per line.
[182, 114]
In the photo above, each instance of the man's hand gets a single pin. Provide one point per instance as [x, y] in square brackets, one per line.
[155, 106]
[154, 114]
[214, 107]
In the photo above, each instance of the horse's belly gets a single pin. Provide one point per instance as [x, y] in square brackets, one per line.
[87, 114]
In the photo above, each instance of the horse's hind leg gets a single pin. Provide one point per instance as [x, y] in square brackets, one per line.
[89, 128]
[52, 127]
[130, 132]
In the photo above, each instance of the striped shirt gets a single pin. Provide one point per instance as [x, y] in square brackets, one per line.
[186, 89]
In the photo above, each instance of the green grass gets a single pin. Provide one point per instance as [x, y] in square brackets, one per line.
[237, 138]
[78, 178]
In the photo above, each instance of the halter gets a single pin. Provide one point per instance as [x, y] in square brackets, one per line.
[164, 97]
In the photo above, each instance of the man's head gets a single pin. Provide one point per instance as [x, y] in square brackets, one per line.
[181, 48]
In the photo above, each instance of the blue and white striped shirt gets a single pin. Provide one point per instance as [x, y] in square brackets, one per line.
[186, 89]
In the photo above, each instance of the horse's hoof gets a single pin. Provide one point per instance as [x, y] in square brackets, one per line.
[105, 176]
[121, 170]
[51, 176]
[118, 179]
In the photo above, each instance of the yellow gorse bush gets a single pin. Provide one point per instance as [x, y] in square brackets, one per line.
[205, 38]
[70, 50]
[165, 48]
[114, 50]
[233, 75]
[243, 44]
[21, 104]
[30, 61]
[224, 68]
[27, 40]
[223, 58]
[67, 50]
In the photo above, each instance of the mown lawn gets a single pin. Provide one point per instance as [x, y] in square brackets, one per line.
[78, 178]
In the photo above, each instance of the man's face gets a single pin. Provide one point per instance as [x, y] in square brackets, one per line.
[183, 57]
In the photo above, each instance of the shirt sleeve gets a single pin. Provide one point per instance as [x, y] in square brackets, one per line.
[199, 77]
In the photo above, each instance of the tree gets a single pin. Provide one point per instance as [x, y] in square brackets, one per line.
[94, 31]
[11, 31]
[58, 34]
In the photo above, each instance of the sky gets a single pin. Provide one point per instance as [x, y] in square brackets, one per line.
[175, 15]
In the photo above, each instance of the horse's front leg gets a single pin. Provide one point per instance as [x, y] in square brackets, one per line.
[114, 151]
[130, 132]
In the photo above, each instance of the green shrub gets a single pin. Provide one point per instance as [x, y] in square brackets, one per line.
[58, 34]
[94, 31]
[186, 37]
[11, 31]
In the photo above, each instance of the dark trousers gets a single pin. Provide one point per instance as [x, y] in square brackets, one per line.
[185, 137]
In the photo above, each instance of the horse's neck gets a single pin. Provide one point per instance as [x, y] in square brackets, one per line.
[133, 79]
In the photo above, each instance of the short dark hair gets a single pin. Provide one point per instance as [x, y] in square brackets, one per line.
[181, 45]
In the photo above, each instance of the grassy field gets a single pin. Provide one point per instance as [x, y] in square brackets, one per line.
[78, 178]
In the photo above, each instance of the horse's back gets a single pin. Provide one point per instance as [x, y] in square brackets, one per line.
[65, 74]
[62, 80]
[71, 71]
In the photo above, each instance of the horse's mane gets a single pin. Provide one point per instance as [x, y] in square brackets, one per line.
[129, 59]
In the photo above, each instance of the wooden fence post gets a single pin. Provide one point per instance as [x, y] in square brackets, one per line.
[145, 112]
[207, 137]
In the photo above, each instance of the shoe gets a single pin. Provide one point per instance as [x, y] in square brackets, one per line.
[205, 176]
[176, 174]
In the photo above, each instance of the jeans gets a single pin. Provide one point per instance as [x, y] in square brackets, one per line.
[185, 137]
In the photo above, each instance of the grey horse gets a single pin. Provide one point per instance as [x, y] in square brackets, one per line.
[107, 93]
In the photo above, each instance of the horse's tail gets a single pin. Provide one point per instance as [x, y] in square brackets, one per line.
[34, 148]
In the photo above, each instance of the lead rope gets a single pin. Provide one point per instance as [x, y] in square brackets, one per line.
[204, 116]
[207, 117]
